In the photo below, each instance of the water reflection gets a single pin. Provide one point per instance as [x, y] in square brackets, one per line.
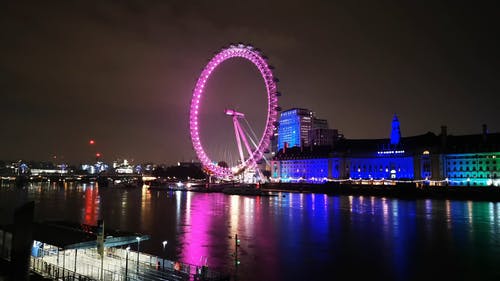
[291, 236]
[146, 208]
[196, 229]
[91, 206]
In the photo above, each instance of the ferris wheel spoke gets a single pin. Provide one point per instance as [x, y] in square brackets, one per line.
[238, 139]
[251, 131]
[245, 142]
[249, 137]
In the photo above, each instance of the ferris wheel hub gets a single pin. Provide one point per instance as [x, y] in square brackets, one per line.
[232, 112]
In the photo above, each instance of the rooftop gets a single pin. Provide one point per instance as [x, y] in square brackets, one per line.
[69, 235]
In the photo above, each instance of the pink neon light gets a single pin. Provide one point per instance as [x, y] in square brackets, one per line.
[249, 53]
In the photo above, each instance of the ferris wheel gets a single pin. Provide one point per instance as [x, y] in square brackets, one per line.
[250, 153]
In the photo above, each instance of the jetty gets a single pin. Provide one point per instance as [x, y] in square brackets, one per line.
[60, 250]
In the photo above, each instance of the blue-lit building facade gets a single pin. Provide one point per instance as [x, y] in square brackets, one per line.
[298, 127]
[294, 127]
[469, 160]
[381, 168]
[380, 159]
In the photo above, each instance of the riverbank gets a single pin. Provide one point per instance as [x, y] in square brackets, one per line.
[401, 190]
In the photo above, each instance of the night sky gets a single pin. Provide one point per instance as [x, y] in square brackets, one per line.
[122, 72]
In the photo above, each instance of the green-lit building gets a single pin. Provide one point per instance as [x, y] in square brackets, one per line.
[472, 159]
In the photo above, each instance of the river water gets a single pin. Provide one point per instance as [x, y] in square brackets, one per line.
[291, 236]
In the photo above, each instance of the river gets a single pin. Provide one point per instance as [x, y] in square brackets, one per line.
[291, 236]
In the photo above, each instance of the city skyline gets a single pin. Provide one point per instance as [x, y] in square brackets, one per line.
[123, 73]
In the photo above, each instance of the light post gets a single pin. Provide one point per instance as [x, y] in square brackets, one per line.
[138, 249]
[164, 243]
[236, 245]
[126, 262]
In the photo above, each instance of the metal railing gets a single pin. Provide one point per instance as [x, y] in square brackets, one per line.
[85, 264]
[55, 272]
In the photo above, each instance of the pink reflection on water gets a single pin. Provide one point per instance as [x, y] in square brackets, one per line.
[196, 227]
[209, 227]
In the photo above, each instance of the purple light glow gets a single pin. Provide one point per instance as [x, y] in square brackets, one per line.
[249, 53]
[197, 237]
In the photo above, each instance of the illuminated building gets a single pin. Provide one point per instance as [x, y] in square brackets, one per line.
[472, 159]
[36, 172]
[472, 168]
[36, 168]
[123, 167]
[299, 127]
[95, 168]
[294, 126]
[469, 160]
[303, 165]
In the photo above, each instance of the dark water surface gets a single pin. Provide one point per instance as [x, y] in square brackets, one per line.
[292, 236]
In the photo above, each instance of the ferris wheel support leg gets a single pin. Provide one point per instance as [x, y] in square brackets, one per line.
[245, 142]
[238, 139]
[259, 172]
[247, 146]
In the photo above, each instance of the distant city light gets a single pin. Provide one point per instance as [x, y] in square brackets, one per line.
[91, 142]
[98, 154]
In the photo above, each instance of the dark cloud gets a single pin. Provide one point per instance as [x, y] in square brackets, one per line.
[122, 71]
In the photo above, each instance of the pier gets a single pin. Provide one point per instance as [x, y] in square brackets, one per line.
[69, 251]
[117, 264]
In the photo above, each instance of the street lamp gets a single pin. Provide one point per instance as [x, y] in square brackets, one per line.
[164, 243]
[126, 262]
[138, 248]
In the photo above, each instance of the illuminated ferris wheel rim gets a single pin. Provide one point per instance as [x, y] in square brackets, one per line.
[253, 55]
